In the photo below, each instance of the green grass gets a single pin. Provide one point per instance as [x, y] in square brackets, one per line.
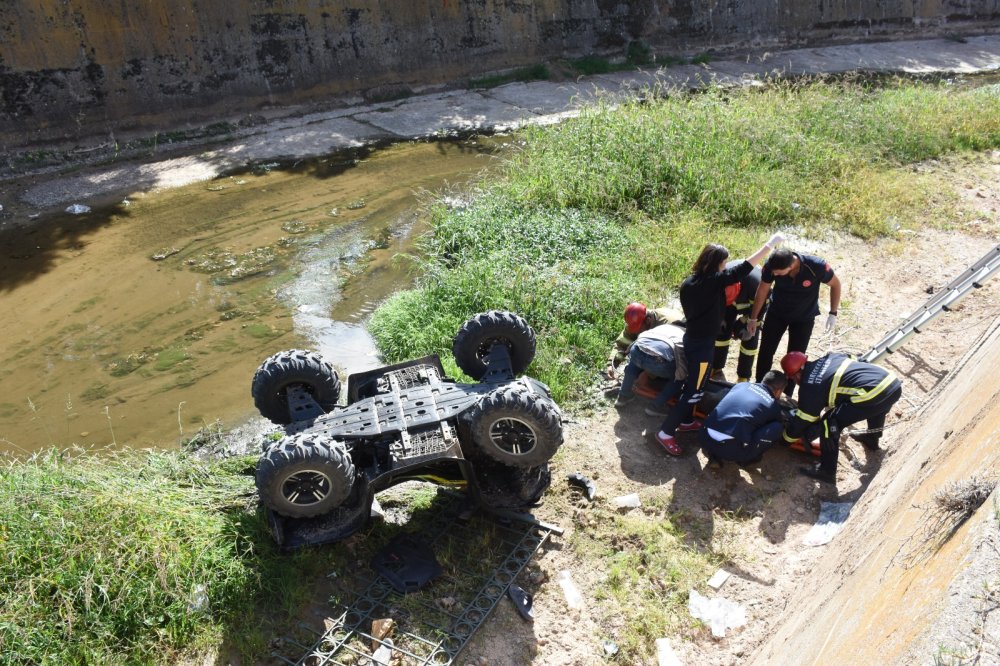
[537, 72]
[105, 559]
[614, 205]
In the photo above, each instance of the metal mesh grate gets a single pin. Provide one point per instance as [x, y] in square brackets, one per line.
[480, 558]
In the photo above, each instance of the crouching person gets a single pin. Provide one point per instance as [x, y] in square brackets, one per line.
[745, 423]
[660, 352]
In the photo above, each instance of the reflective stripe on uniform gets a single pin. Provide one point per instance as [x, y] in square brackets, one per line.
[748, 352]
[722, 343]
[798, 413]
[835, 384]
[785, 436]
[875, 392]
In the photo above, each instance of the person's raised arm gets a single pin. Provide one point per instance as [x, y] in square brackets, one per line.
[772, 243]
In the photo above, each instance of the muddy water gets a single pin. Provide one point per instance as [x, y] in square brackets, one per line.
[139, 323]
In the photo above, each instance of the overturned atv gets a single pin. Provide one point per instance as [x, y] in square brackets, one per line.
[404, 422]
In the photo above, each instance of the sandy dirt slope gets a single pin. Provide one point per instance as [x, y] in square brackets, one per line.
[871, 595]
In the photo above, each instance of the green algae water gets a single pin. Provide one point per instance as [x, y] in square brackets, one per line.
[141, 322]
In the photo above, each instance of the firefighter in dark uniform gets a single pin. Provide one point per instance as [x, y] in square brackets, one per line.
[745, 423]
[794, 304]
[739, 303]
[836, 391]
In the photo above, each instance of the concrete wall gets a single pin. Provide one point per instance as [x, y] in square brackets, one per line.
[71, 68]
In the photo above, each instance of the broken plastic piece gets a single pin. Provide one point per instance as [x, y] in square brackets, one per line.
[610, 648]
[407, 563]
[665, 655]
[719, 613]
[718, 579]
[522, 601]
[630, 501]
[832, 516]
[581, 481]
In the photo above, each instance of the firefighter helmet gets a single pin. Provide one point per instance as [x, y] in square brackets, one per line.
[792, 362]
[635, 317]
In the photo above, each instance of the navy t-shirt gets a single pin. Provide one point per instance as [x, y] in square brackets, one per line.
[797, 298]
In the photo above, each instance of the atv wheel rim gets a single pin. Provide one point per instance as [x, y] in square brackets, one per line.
[513, 436]
[487, 344]
[306, 488]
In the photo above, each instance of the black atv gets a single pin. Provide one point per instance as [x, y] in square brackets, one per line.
[404, 422]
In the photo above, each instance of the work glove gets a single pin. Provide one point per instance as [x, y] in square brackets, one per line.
[831, 323]
[776, 240]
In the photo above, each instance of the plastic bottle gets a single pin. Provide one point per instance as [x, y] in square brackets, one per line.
[570, 591]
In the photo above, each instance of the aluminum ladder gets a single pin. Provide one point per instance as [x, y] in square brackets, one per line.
[944, 300]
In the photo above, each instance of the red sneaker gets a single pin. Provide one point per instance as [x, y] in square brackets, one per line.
[688, 427]
[669, 443]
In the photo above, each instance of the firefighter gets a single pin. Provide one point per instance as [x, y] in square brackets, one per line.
[703, 297]
[745, 423]
[638, 318]
[739, 303]
[836, 391]
[794, 304]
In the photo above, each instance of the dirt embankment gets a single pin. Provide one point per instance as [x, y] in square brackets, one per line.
[879, 593]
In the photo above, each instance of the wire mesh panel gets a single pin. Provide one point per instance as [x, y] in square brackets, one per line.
[479, 557]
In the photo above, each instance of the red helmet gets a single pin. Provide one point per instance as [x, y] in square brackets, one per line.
[792, 362]
[635, 317]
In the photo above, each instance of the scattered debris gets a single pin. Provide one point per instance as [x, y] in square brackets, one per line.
[718, 579]
[77, 209]
[383, 655]
[522, 602]
[446, 603]
[665, 655]
[630, 501]
[832, 516]
[720, 613]
[407, 563]
[610, 648]
[163, 253]
[570, 591]
[579, 480]
[381, 629]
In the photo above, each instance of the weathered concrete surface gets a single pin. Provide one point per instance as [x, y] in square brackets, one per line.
[880, 603]
[505, 107]
[73, 70]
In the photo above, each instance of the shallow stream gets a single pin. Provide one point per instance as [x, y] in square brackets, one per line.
[139, 323]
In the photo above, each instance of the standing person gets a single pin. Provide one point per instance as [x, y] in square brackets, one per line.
[794, 304]
[739, 303]
[660, 352]
[836, 391]
[745, 423]
[703, 298]
[638, 318]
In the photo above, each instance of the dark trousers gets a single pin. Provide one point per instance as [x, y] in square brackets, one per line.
[699, 353]
[774, 327]
[748, 352]
[742, 452]
[847, 413]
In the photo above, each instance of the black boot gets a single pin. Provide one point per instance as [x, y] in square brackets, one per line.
[869, 440]
[816, 471]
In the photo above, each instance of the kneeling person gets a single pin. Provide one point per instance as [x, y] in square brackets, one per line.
[660, 352]
[746, 422]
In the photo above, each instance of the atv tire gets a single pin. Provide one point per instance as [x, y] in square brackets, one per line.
[290, 368]
[515, 426]
[305, 475]
[474, 340]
